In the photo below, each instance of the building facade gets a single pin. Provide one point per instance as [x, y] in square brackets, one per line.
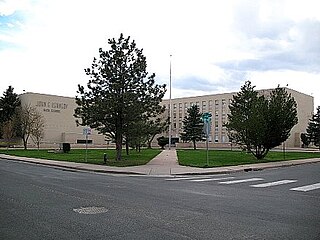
[218, 106]
[60, 124]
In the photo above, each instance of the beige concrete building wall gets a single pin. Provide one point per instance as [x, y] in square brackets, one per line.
[60, 125]
[218, 106]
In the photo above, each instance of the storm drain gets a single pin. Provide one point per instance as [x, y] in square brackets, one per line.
[90, 210]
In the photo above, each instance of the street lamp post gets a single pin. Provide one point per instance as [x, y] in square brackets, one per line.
[170, 110]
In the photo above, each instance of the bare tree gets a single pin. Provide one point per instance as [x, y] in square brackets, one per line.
[8, 132]
[37, 131]
[31, 121]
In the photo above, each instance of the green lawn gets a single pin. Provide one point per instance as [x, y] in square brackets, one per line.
[195, 158]
[95, 156]
[219, 158]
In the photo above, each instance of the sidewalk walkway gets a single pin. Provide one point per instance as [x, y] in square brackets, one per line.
[164, 164]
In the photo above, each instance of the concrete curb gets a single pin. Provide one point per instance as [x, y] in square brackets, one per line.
[66, 165]
[162, 170]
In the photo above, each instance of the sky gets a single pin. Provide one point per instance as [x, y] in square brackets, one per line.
[216, 46]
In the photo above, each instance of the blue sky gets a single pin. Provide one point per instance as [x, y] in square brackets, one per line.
[215, 45]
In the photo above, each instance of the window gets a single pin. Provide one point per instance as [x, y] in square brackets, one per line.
[216, 138]
[216, 103]
[223, 103]
[198, 104]
[180, 106]
[174, 125]
[210, 104]
[216, 113]
[185, 106]
[174, 106]
[204, 106]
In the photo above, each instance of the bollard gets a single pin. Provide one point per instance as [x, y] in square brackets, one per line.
[105, 158]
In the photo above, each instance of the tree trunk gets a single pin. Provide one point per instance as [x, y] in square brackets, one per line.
[260, 153]
[118, 145]
[127, 147]
[194, 145]
[150, 141]
[25, 142]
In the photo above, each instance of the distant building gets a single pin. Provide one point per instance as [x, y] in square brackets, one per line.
[218, 106]
[60, 124]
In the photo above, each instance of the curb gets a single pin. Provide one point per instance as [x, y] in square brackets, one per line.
[194, 171]
[58, 166]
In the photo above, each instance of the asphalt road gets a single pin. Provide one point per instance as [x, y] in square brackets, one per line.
[38, 202]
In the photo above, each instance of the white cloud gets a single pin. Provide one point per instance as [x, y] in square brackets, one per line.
[269, 40]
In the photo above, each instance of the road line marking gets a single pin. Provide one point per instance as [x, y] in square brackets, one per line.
[270, 184]
[307, 187]
[184, 178]
[210, 179]
[242, 181]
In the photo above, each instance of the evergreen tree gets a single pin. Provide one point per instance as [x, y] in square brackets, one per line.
[120, 92]
[193, 126]
[313, 129]
[281, 115]
[9, 103]
[259, 123]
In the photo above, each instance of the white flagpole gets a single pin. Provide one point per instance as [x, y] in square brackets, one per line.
[170, 109]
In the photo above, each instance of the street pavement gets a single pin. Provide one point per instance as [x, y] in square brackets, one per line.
[164, 164]
[37, 202]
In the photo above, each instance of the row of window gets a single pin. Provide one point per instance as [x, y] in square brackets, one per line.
[203, 104]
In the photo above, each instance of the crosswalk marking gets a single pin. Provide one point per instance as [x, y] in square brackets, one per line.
[210, 179]
[270, 184]
[242, 180]
[307, 187]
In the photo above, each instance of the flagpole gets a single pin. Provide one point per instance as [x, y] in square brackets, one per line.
[170, 108]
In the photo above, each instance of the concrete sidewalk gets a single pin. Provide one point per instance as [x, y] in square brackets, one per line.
[164, 164]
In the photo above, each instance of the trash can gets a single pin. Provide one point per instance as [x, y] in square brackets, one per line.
[66, 147]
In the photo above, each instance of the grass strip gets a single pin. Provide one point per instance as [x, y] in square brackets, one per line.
[94, 156]
[221, 158]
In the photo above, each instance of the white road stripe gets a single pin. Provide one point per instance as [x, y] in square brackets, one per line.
[307, 188]
[242, 181]
[270, 184]
[210, 179]
[184, 178]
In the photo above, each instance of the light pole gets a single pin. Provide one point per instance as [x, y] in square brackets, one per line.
[170, 111]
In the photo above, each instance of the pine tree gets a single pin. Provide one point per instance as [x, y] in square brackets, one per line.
[120, 92]
[193, 126]
[9, 103]
[313, 129]
[259, 123]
